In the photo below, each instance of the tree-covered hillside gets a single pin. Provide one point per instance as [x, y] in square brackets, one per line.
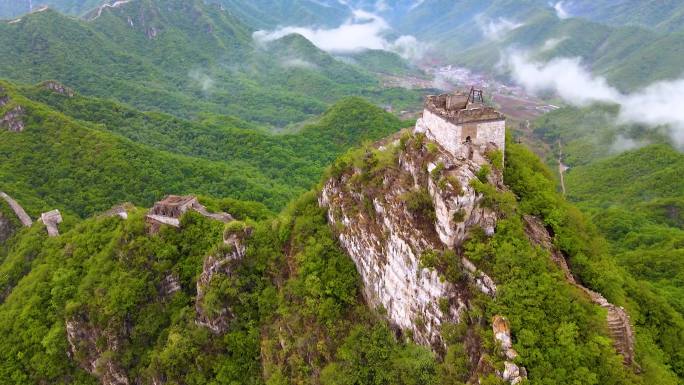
[636, 199]
[664, 16]
[84, 155]
[15, 8]
[107, 297]
[268, 14]
[629, 57]
[628, 179]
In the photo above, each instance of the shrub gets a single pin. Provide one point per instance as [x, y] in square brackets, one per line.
[429, 259]
[495, 158]
[419, 140]
[437, 171]
[483, 173]
[444, 305]
[455, 184]
[419, 203]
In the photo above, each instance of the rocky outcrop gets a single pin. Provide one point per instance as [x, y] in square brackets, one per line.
[618, 321]
[502, 334]
[481, 280]
[120, 211]
[222, 263]
[386, 239]
[13, 119]
[91, 348]
[59, 88]
[169, 285]
[4, 99]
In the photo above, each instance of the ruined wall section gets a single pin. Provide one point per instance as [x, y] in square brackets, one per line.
[18, 210]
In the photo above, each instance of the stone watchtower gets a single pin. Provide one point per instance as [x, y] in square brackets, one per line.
[463, 124]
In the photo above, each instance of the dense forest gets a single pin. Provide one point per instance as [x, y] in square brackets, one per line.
[295, 297]
[127, 104]
[88, 155]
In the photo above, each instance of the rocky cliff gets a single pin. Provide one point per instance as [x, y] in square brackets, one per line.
[92, 348]
[402, 214]
[221, 263]
[6, 228]
[403, 210]
[388, 218]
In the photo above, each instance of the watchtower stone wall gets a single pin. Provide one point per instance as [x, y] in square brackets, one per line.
[462, 127]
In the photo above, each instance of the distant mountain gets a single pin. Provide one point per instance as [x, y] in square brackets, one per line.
[180, 57]
[632, 43]
[663, 16]
[15, 8]
[265, 14]
[629, 57]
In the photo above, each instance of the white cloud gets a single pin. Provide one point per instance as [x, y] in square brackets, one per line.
[564, 76]
[561, 12]
[659, 104]
[656, 105]
[408, 47]
[417, 3]
[201, 79]
[552, 43]
[381, 6]
[495, 29]
[623, 143]
[298, 63]
[364, 30]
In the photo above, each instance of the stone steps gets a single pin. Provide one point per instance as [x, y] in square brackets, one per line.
[617, 319]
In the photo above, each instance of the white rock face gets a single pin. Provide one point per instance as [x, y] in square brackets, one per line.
[502, 334]
[385, 240]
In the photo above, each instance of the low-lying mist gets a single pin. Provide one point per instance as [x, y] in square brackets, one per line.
[659, 104]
